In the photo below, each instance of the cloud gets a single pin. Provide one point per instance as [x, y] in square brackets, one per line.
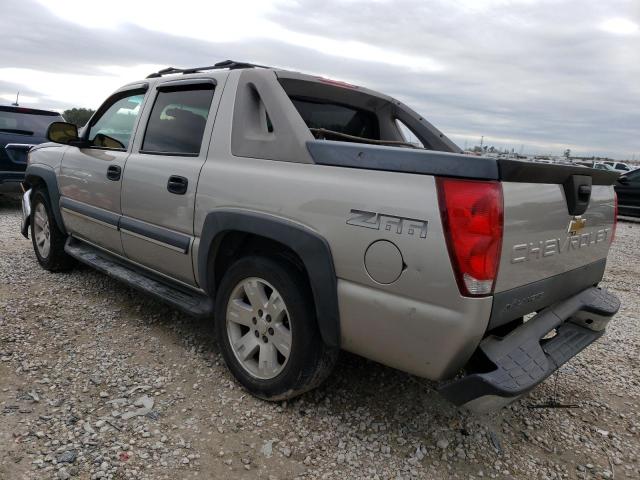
[620, 26]
[542, 73]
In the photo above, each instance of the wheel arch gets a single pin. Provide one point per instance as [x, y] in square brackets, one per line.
[309, 247]
[42, 175]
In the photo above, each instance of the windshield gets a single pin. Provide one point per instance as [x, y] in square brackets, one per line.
[26, 121]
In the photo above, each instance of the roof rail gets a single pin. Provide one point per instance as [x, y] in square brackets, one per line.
[230, 64]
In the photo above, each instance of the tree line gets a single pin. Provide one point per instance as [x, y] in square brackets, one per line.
[78, 116]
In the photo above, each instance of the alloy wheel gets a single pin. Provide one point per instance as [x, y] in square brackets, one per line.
[259, 328]
[41, 230]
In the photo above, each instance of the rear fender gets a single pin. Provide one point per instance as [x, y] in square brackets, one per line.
[312, 249]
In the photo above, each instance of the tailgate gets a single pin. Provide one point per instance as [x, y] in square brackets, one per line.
[558, 226]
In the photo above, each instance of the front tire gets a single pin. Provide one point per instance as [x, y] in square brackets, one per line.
[267, 329]
[48, 240]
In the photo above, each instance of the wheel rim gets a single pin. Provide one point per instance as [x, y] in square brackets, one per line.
[41, 231]
[258, 328]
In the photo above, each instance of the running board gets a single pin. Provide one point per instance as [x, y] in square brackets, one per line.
[189, 302]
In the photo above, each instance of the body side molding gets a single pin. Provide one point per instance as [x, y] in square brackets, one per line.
[94, 213]
[312, 249]
[164, 236]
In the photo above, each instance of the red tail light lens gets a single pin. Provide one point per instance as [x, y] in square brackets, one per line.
[615, 216]
[472, 217]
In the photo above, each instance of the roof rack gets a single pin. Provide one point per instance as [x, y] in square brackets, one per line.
[230, 64]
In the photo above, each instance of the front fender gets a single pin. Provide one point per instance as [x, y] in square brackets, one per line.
[40, 173]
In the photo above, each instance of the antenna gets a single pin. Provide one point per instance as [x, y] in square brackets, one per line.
[17, 96]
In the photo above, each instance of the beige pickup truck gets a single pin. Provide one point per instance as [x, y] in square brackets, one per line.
[304, 215]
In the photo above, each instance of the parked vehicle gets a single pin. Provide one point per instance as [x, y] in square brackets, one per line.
[22, 127]
[619, 166]
[292, 210]
[603, 166]
[628, 191]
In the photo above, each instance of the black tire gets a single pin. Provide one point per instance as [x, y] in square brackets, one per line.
[310, 361]
[56, 260]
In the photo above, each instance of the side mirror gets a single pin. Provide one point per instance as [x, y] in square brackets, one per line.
[62, 132]
[623, 180]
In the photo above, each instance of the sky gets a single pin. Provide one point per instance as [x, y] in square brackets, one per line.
[539, 76]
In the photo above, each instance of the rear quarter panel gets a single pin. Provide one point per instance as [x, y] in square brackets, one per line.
[419, 323]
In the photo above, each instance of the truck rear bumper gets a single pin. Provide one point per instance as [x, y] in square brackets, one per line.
[524, 358]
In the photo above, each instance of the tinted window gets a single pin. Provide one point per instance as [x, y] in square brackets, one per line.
[338, 118]
[26, 121]
[177, 121]
[114, 127]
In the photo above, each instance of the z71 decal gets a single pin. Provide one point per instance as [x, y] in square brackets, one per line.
[390, 223]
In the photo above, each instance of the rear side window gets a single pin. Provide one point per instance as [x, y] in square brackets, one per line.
[338, 118]
[177, 121]
[27, 121]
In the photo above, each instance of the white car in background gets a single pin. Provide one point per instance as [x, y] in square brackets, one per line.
[620, 166]
[604, 166]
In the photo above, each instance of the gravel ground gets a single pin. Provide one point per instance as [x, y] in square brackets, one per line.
[98, 381]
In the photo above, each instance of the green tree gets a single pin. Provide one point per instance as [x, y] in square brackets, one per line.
[78, 116]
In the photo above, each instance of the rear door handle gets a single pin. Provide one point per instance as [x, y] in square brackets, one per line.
[114, 172]
[177, 184]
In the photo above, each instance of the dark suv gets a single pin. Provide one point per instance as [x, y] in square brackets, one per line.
[24, 126]
[628, 190]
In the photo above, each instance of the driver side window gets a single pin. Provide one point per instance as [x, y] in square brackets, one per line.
[113, 129]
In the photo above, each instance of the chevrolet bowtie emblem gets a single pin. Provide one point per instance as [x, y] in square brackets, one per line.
[576, 224]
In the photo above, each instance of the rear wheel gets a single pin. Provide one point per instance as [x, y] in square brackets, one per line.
[267, 329]
[48, 240]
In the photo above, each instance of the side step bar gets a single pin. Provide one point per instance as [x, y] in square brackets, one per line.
[524, 358]
[189, 302]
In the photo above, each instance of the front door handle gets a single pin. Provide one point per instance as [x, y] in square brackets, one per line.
[177, 184]
[114, 172]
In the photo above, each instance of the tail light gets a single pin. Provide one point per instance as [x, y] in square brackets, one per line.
[472, 218]
[615, 216]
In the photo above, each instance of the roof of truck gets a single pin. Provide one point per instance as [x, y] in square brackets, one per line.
[280, 72]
